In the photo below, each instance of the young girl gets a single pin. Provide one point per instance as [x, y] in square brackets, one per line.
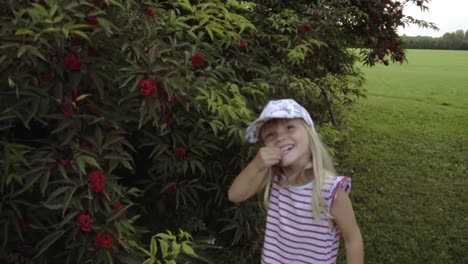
[308, 205]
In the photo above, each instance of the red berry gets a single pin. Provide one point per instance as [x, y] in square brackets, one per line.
[181, 152]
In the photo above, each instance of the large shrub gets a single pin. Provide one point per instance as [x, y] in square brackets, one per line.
[120, 119]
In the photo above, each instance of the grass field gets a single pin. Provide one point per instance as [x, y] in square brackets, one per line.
[407, 153]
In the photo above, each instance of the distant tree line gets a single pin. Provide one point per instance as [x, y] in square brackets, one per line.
[457, 40]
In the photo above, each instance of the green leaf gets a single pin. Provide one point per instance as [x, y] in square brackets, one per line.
[151, 260]
[81, 97]
[98, 137]
[64, 124]
[135, 192]
[71, 26]
[35, 51]
[71, 6]
[11, 83]
[183, 235]
[127, 165]
[68, 198]
[158, 150]
[15, 208]
[10, 45]
[164, 247]
[116, 3]
[53, 9]
[52, 206]
[186, 5]
[118, 213]
[67, 218]
[210, 33]
[14, 176]
[80, 164]
[153, 247]
[187, 249]
[62, 171]
[115, 157]
[2, 59]
[67, 137]
[79, 33]
[109, 257]
[31, 181]
[166, 236]
[5, 233]
[111, 141]
[58, 19]
[44, 182]
[107, 25]
[145, 251]
[21, 51]
[6, 117]
[39, 10]
[57, 192]
[51, 30]
[175, 248]
[24, 31]
[34, 108]
[89, 160]
[45, 243]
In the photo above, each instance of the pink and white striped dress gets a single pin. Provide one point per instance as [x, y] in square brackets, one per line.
[292, 235]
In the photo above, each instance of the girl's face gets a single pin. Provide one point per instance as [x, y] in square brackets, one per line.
[291, 137]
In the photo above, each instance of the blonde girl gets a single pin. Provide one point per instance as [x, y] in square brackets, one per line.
[308, 204]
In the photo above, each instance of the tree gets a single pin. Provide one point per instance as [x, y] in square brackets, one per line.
[453, 41]
[123, 118]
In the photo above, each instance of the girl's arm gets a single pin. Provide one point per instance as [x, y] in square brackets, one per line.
[253, 177]
[343, 214]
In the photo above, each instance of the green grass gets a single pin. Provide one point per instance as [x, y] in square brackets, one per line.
[407, 153]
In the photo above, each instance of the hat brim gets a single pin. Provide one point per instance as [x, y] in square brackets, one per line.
[253, 130]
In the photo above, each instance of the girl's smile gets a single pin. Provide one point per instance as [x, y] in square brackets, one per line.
[285, 149]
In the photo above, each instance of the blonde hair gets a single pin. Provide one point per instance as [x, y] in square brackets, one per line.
[322, 166]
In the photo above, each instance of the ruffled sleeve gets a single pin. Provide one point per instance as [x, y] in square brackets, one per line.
[332, 187]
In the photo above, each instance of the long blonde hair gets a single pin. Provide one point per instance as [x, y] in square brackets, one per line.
[322, 166]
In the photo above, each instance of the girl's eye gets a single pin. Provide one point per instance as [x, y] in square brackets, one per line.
[268, 136]
[291, 127]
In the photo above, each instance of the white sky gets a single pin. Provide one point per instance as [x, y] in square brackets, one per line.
[448, 15]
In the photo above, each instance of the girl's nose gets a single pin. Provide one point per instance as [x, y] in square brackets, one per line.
[280, 138]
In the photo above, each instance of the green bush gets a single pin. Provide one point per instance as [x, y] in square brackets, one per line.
[121, 119]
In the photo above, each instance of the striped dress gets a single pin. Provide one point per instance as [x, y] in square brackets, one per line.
[292, 235]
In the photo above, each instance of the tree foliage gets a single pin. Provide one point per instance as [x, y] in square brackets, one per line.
[457, 40]
[121, 119]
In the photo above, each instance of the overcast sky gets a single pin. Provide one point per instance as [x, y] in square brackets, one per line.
[449, 16]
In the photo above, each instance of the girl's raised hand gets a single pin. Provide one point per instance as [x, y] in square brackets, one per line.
[267, 156]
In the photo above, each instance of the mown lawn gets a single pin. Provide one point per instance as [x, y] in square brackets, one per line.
[407, 153]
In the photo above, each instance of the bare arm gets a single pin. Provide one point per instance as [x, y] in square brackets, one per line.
[343, 213]
[253, 177]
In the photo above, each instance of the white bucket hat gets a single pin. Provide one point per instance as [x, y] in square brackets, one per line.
[283, 108]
